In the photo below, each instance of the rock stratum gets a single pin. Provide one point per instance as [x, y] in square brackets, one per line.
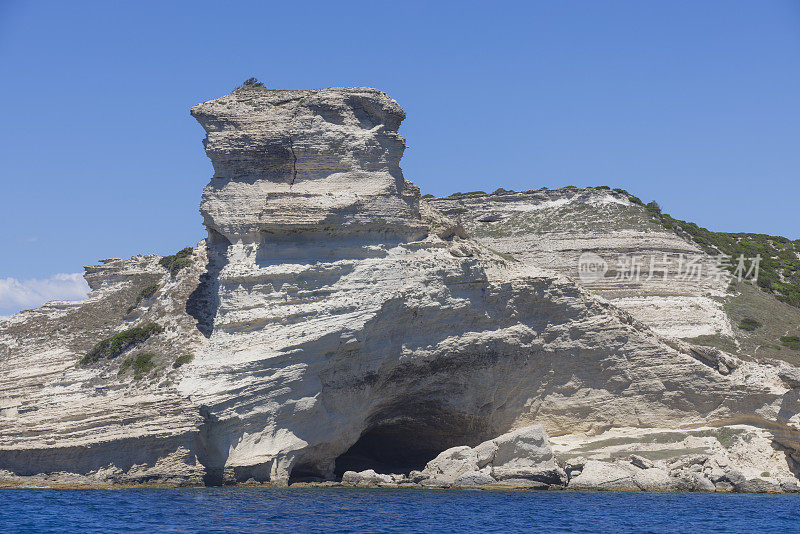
[336, 327]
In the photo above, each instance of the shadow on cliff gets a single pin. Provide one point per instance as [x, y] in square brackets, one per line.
[203, 303]
[132, 459]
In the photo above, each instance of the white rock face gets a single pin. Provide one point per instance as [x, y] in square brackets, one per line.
[526, 453]
[58, 416]
[604, 475]
[552, 228]
[523, 454]
[368, 477]
[324, 162]
[337, 324]
[473, 478]
[653, 479]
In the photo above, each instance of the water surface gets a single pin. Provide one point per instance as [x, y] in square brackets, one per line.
[388, 510]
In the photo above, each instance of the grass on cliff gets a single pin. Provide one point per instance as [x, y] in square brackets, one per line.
[182, 360]
[178, 261]
[779, 269]
[749, 324]
[746, 303]
[141, 364]
[792, 342]
[115, 345]
[144, 294]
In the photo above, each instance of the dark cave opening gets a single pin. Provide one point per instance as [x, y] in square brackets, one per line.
[387, 450]
[403, 444]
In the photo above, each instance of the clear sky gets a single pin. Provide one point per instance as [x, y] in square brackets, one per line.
[691, 103]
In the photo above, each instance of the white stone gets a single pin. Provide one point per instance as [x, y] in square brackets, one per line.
[367, 477]
[604, 475]
[473, 478]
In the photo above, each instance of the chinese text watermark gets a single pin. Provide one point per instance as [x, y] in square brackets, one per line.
[647, 267]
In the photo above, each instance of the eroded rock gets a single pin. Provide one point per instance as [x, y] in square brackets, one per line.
[604, 475]
[368, 477]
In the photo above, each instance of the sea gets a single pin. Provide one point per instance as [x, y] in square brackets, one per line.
[332, 510]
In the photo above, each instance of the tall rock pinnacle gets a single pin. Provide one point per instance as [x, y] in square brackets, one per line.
[324, 160]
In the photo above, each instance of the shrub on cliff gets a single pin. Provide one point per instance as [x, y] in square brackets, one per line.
[793, 342]
[250, 82]
[182, 359]
[141, 364]
[653, 208]
[749, 324]
[115, 345]
[176, 262]
[145, 293]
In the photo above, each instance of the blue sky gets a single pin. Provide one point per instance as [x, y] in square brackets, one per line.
[691, 103]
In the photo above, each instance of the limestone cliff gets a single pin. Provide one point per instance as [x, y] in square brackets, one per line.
[336, 322]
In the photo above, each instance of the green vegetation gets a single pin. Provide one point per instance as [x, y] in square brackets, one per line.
[182, 359]
[141, 364]
[605, 187]
[115, 345]
[176, 262]
[632, 198]
[653, 208]
[726, 435]
[779, 268]
[777, 319]
[749, 324]
[426, 196]
[251, 82]
[793, 342]
[148, 292]
[145, 293]
[765, 474]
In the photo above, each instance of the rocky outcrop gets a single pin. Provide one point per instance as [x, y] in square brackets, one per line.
[338, 325]
[323, 162]
[97, 421]
[731, 458]
[552, 228]
[514, 457]
[368, 477]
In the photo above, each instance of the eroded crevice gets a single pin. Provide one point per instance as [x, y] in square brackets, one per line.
[294, 160]
[203, 303]
[291, 144]
[205, 451]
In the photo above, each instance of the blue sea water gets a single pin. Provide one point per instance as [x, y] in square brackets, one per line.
[387, 510]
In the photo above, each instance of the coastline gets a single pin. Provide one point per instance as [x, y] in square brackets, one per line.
[17, 483]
